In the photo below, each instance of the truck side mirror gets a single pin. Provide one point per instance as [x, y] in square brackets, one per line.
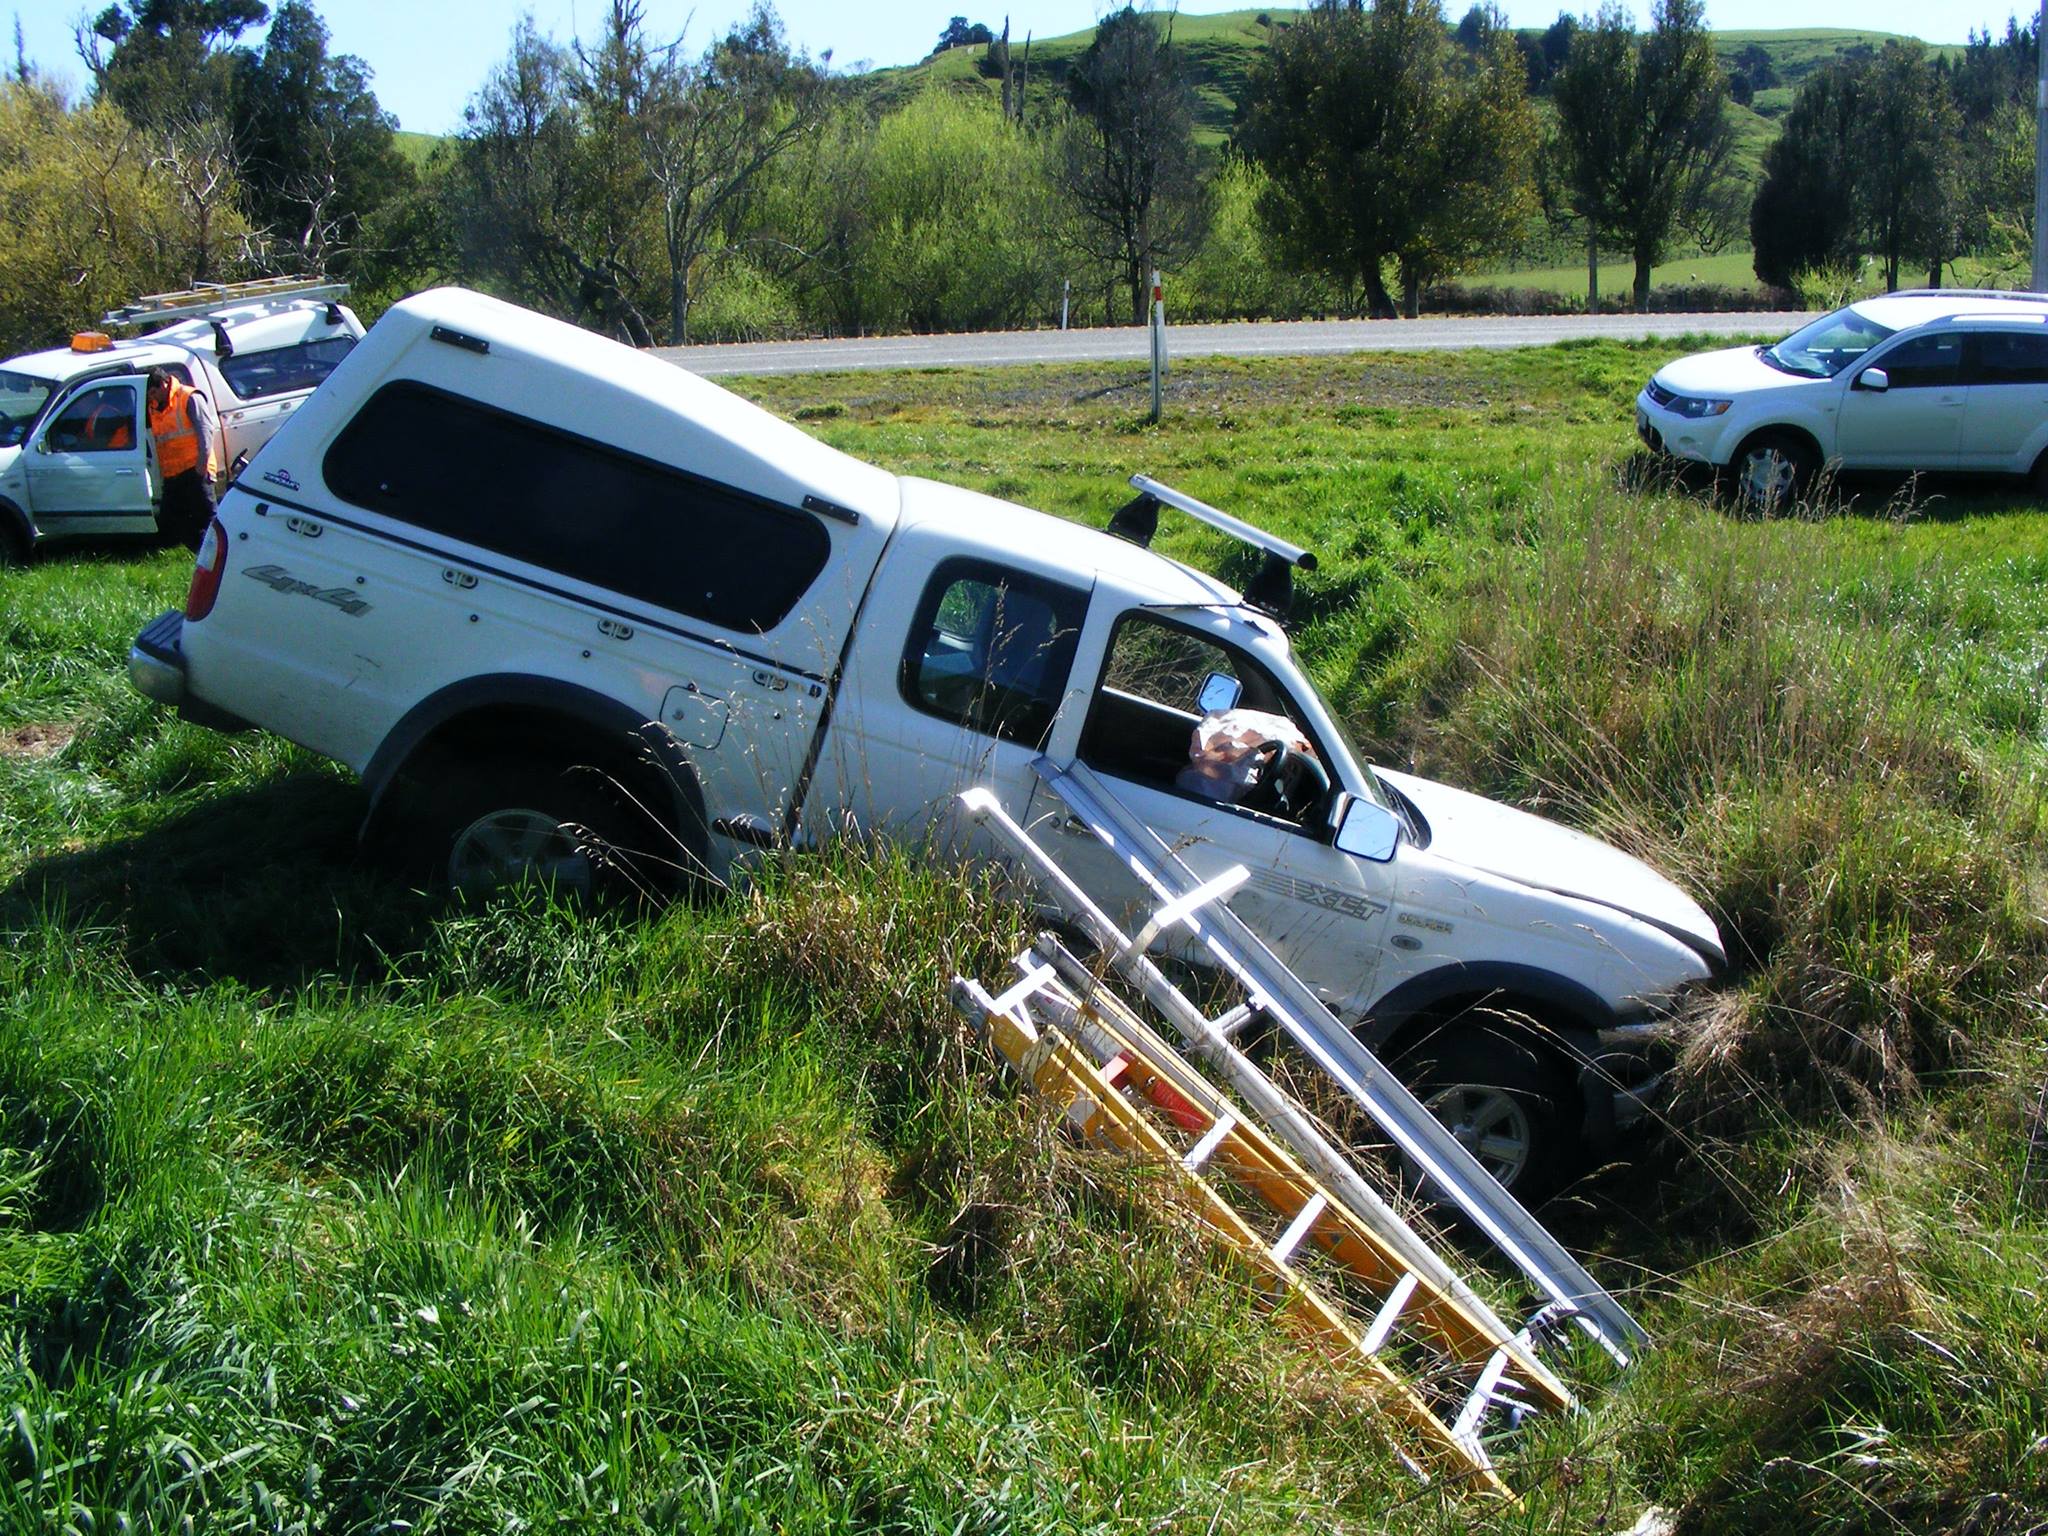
[1366, 830]
[1220, 691]
[1874, 378]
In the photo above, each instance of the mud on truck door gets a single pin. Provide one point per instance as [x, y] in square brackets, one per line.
[1155, 676]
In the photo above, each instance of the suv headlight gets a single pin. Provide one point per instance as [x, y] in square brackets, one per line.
[1695, 409]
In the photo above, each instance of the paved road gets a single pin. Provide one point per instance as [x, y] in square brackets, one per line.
[1127, 343]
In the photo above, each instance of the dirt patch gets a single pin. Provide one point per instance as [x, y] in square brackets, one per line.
[37, 739]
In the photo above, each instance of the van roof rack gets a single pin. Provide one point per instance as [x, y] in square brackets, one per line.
[203, 298]
[1271, 591]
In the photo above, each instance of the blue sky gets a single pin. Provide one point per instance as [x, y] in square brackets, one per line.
[429, 55]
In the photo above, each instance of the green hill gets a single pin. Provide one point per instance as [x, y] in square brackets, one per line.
[1220, 49]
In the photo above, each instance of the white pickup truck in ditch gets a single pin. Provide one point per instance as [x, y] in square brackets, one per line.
[566, 607]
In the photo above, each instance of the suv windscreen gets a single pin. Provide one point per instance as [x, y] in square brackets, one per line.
[284, 370]
[1827, 346]
[22, 398]
[579, 508]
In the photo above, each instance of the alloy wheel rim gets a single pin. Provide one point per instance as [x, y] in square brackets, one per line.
[1767, 476]
[504, 847]
[1490, 1123]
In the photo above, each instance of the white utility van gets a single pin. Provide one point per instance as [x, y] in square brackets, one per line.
[567, 607]
[75, 451]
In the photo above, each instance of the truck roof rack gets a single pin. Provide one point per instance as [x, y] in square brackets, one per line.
[1271, 591]
[204, 298]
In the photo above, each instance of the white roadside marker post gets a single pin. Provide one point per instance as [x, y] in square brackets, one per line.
[1158, 326]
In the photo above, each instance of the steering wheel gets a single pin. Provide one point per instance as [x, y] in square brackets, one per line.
[1289, 782]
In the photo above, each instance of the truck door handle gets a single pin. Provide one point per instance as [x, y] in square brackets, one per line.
[124, 471]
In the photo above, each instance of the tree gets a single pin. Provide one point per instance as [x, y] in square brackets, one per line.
[89, 224]
[1904, 165]
[317, 152]
[529, 215]
[960, 33]
[1377, 150]
[166, 61]
[1642, 146]
[708, 131]
[1870, 161]
[1805, 218]
[1128, 158]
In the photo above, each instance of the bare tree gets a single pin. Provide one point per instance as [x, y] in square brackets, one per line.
[709, 128]
[197, 158]
[1129, 159]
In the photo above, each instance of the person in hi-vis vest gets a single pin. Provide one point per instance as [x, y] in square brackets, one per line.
[187, 456]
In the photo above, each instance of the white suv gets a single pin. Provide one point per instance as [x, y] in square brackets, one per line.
[1937, 380]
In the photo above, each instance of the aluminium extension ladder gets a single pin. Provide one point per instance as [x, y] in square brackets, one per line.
[1437, 1365]
[1447, 1168]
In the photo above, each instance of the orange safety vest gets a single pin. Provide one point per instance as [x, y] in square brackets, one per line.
[177, 440]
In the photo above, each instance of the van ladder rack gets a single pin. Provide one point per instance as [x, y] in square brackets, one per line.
[1345, 1268]
[1447, 1168]
[1435, 1366]
[204, 298]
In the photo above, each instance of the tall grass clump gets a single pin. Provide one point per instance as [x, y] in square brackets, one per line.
[1697, 690]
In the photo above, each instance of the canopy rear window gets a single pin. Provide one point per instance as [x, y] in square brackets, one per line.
[521, 488]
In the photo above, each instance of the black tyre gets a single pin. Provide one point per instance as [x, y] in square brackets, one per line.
[15, 545]
[2038, 480]
[494, 823]
[1771, 471]
[1508, 1098]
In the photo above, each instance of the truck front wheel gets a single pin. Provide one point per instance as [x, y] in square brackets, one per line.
[1507, 1099]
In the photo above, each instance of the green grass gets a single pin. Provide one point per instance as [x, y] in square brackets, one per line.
[326, 1205]
[1733, 269]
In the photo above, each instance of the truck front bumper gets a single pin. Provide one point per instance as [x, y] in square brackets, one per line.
[1622, 1076]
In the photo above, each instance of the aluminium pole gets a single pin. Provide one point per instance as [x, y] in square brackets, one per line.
[1158, 328]
[2040, 275]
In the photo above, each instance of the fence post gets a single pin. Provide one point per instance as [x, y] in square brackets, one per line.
[1159, 337]
[1066, 296]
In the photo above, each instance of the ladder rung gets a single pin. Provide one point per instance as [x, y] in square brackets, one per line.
[1182, 907]
[1212, 1138]
[1389, 1313]
[1228, 1026]
[1466, 1429]
[1310, 1213]
[1032, 980]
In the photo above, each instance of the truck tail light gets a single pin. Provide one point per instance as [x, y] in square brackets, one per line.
[206, 574]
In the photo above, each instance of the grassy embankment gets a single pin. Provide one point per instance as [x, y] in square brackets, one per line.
[326, 1206]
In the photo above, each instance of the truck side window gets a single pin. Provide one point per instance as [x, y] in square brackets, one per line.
[990, 649]
[98, 420]
[576, 507]
[1146, 722]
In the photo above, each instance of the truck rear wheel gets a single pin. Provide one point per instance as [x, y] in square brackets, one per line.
[567, 826]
